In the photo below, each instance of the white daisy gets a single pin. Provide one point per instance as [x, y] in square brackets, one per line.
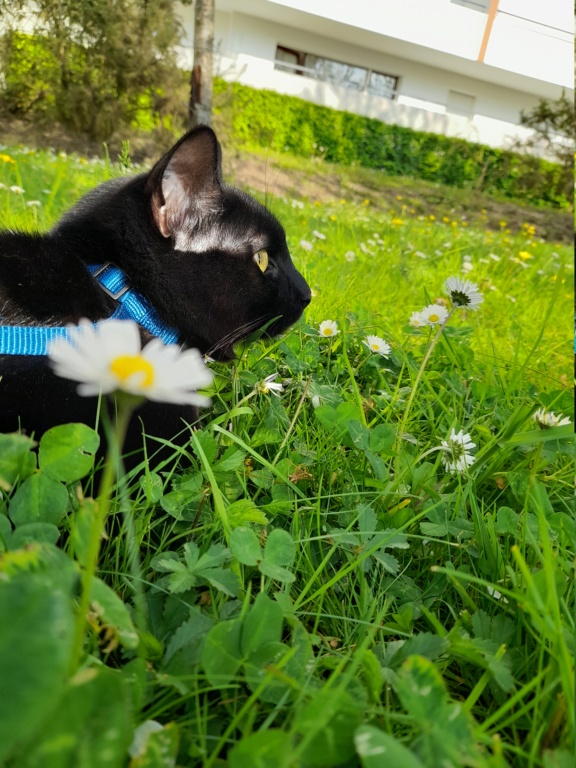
[306, 245]
[376, 344]
[319, 235]
[433, 314]
[33, 203]
[456, 457]
[268, 385]
[17, 190]
[349, 255]
[416, 320]
[463, 293]
[328, 328]
[107, 357]
[547, 419]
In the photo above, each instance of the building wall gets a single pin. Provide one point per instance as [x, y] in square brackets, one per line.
[534, 38]
[246, 48]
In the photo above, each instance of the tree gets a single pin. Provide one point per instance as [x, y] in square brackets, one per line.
[93, 65]
[201, 76]
[553, 123]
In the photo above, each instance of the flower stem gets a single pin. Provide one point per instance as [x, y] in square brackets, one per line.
[115, 442]
[419, 377]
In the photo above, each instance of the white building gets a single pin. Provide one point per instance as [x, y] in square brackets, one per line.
[460, 67]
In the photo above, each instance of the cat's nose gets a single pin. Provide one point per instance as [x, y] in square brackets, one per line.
[301, 289]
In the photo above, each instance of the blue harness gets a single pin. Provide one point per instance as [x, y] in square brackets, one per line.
[34, 340]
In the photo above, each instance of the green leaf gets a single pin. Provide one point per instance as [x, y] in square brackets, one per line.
[262, 625]
[91, 727]
[245, 511]
[232, 459]
[16, 459]
[506, 521]
[34, 532]
[181, 504]
[222, 654]
[39, 499]
[382, 439]
[113, 613]
[279, 548]
[82, 528]
[224, 580]
[5, 532]
[423, 644]
[377, 464]
[326, 725]
[335, 420]
[208, 444]
[377, 749]
[261, 665]
[265, 749]
[245, 546]
[153, 486]
[359, 433]
[388, 561]
[446, 730]
[189, 633]
[276, 572]
[159, 748]
[215, 556]
[67, 452]
[36, 634]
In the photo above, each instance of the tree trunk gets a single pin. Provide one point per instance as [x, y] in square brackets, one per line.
[201, 76]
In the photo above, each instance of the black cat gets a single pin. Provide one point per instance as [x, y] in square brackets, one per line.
[210, 260]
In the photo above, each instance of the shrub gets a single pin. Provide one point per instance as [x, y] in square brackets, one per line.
[286, 123]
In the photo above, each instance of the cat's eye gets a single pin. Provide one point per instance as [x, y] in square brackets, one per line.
[261, 258]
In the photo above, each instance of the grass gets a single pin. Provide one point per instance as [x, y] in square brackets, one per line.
[316, 589]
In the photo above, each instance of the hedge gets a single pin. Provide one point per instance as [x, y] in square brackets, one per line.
[289, 124]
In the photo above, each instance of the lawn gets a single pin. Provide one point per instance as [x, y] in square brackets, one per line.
[319, 587]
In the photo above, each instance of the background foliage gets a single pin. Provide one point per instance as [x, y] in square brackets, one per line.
[92, 65]
[290, 124]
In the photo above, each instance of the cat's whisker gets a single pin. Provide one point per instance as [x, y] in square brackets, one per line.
[237, 334]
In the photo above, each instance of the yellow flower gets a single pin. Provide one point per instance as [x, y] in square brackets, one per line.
[7, 159]
[432, 217]
[332, 217]
[397, 221]
[525, 255]
[445, 219]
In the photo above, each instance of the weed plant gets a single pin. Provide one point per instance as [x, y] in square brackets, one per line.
[315, 587]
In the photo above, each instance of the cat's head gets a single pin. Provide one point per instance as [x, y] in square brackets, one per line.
[224, 256]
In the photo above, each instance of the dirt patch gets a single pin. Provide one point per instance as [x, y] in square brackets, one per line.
[284, 176]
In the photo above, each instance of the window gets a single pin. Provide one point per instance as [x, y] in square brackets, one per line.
[460, 104]
[335, 72]
[475, 5]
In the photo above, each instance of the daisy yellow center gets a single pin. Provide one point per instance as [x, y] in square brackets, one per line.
[375, 347]
[434, 318]
[327, 331]
[126, 366]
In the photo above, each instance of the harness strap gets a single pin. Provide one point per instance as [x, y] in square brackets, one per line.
[131, 304]
[34, 340]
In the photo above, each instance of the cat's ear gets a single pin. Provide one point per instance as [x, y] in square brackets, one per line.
[186, 184]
